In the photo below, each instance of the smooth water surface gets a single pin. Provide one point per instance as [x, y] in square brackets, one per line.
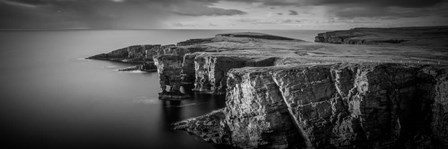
[51, 97]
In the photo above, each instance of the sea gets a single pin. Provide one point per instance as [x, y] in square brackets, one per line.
[51, 97]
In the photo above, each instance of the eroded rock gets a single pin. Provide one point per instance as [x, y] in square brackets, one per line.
[169, 68]
[337, 106]
[211, 69]
[209, 127]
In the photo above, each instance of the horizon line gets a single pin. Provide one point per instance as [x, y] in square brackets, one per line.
[67, 29]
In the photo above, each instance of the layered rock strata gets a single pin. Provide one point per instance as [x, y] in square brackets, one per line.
[335, 106]
[211, 69]
[205, 65]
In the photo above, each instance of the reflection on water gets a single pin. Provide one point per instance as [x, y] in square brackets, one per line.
[52, 98]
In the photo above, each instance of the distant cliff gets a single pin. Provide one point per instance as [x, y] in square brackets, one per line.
[131, 54]
[402, 36]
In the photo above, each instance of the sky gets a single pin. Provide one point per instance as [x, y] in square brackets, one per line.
[220, 14]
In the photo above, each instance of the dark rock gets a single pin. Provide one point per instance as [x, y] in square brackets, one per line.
[132, 68]
[148, 66]
[209, 127]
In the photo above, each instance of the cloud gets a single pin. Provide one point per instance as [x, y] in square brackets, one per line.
[293, 13]
[387, 12]
[18, 4]
[200, 8]
[208, 11]
[377, 3]
[290, 21]
[143, 14]
[258, 21]
[364, 8]
[385, 3]
[118, 1]
[104, 14]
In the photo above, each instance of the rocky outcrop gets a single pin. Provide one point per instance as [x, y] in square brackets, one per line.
[175, 66]
[336, 106]
[209, 127]
[138, 54]
[404, 36]
[147, 66]
[131, 54]
[169, 68]
[188, 69]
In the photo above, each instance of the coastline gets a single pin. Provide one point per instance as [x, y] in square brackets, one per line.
[279, 91]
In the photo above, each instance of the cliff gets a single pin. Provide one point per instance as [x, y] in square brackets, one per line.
[283, 93]
[202, 65]
[288, 93]
[403, 36]
[332, 106]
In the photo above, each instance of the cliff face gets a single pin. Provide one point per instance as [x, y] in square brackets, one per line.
[404, 36]
[176, 69]
[369, 106]
[205, 62]
[439, 117]
[211, 69]
[336, 106]
[169, 68]
[255, 112]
